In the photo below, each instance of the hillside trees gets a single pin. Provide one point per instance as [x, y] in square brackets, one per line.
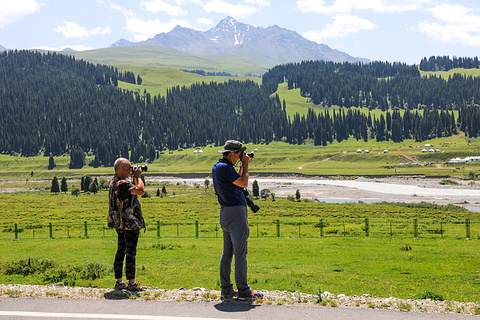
[376, 85]
[53, 104]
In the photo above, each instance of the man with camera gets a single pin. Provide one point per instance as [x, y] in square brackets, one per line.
[229, 185]
[125, 215]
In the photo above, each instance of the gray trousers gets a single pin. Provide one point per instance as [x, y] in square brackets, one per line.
[234, 222]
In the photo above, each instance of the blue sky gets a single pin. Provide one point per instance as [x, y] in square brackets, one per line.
[387, 30]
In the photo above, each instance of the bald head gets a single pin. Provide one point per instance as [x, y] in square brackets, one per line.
[120, 164]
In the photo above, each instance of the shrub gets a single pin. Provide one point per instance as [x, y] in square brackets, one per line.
[429, 295]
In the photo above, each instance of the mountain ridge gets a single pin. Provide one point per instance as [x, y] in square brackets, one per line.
[272, 45]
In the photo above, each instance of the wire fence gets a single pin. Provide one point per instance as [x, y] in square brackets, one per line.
[413, 228]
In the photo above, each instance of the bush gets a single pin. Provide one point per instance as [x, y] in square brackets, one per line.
[448, 182]
[28, 267]
[429, 295]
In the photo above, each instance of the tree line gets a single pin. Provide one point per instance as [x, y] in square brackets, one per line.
[53, 104]
[444, 63]
[378, 85]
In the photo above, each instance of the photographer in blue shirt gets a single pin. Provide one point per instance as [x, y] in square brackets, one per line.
[229, 185]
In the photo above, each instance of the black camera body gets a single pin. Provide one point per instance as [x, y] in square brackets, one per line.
[253, 206]
[144, 168]
[250, 154]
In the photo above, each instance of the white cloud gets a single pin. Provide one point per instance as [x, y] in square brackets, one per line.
[345, 6]
[265, 3]
[144, 29]
[73, 30]
[205, 21]
[235, 10]
[455, 24]
[162, 6]
[11, 11]
[341, 27]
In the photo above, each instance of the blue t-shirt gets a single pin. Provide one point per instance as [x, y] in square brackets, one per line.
[228, 194]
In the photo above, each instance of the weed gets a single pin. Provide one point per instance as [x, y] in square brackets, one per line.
[476, 309]
[319, 296]
[405, 306]
[448, 182]
[429, 295]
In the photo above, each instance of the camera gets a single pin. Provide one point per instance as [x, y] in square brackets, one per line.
[250, 154]
[253, 206]
[144, 168]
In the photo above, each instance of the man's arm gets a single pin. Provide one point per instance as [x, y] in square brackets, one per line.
[138, 182]
[242, 182]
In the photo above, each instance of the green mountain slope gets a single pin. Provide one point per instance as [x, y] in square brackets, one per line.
[157, 56]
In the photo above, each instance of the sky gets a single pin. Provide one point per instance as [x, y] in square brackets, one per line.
[385, 30]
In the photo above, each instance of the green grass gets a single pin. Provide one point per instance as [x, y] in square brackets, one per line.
[277, 157]
[352, 266]
[156, 81]
[157, 56]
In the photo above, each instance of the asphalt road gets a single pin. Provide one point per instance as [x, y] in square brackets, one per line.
[80, 309]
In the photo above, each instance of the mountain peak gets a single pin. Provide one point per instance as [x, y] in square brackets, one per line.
[272, 45]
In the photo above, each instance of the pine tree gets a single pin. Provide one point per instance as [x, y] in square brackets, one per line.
[86, 183]
[255, 189]
[297, 195]
[51, 163]
[164, 190]
[63, 186]
[55, 187]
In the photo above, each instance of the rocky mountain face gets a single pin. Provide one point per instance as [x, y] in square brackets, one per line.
[230, 37]
[2, 49]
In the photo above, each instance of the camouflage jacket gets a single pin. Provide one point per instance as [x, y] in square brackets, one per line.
[124, 210]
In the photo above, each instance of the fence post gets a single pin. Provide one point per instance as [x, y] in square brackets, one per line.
[415, 228]
[441, 228]
[391, 230]
[321, 228]
[15, 227]
[278, 228]
[158, 229]
[367, 228]
[467, 228]
[86, 229]
[196, 229]
[50, 231]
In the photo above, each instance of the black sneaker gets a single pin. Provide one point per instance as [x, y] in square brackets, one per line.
[227, 295]
[250, 296]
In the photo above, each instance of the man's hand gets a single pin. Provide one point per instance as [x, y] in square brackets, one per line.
[245, 158]
[137, 172]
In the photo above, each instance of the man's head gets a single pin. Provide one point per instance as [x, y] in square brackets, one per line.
[122, 168]
[232, 150]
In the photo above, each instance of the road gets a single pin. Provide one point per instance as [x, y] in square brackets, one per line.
[81, 309]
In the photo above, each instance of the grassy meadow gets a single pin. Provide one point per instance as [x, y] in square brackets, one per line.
[278, 157]
[349, 263]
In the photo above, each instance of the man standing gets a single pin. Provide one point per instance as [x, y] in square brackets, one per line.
[229, 186]
[125, 215]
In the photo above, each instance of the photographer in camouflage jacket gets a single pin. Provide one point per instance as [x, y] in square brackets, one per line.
[125, 215]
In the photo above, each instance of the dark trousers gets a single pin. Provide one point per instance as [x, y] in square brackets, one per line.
[234, 222]
[127, 246]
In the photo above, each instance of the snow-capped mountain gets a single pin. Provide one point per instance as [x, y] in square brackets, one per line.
[233, 38]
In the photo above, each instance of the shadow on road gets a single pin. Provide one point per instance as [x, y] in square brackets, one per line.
[235, 306]
[119, 294]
